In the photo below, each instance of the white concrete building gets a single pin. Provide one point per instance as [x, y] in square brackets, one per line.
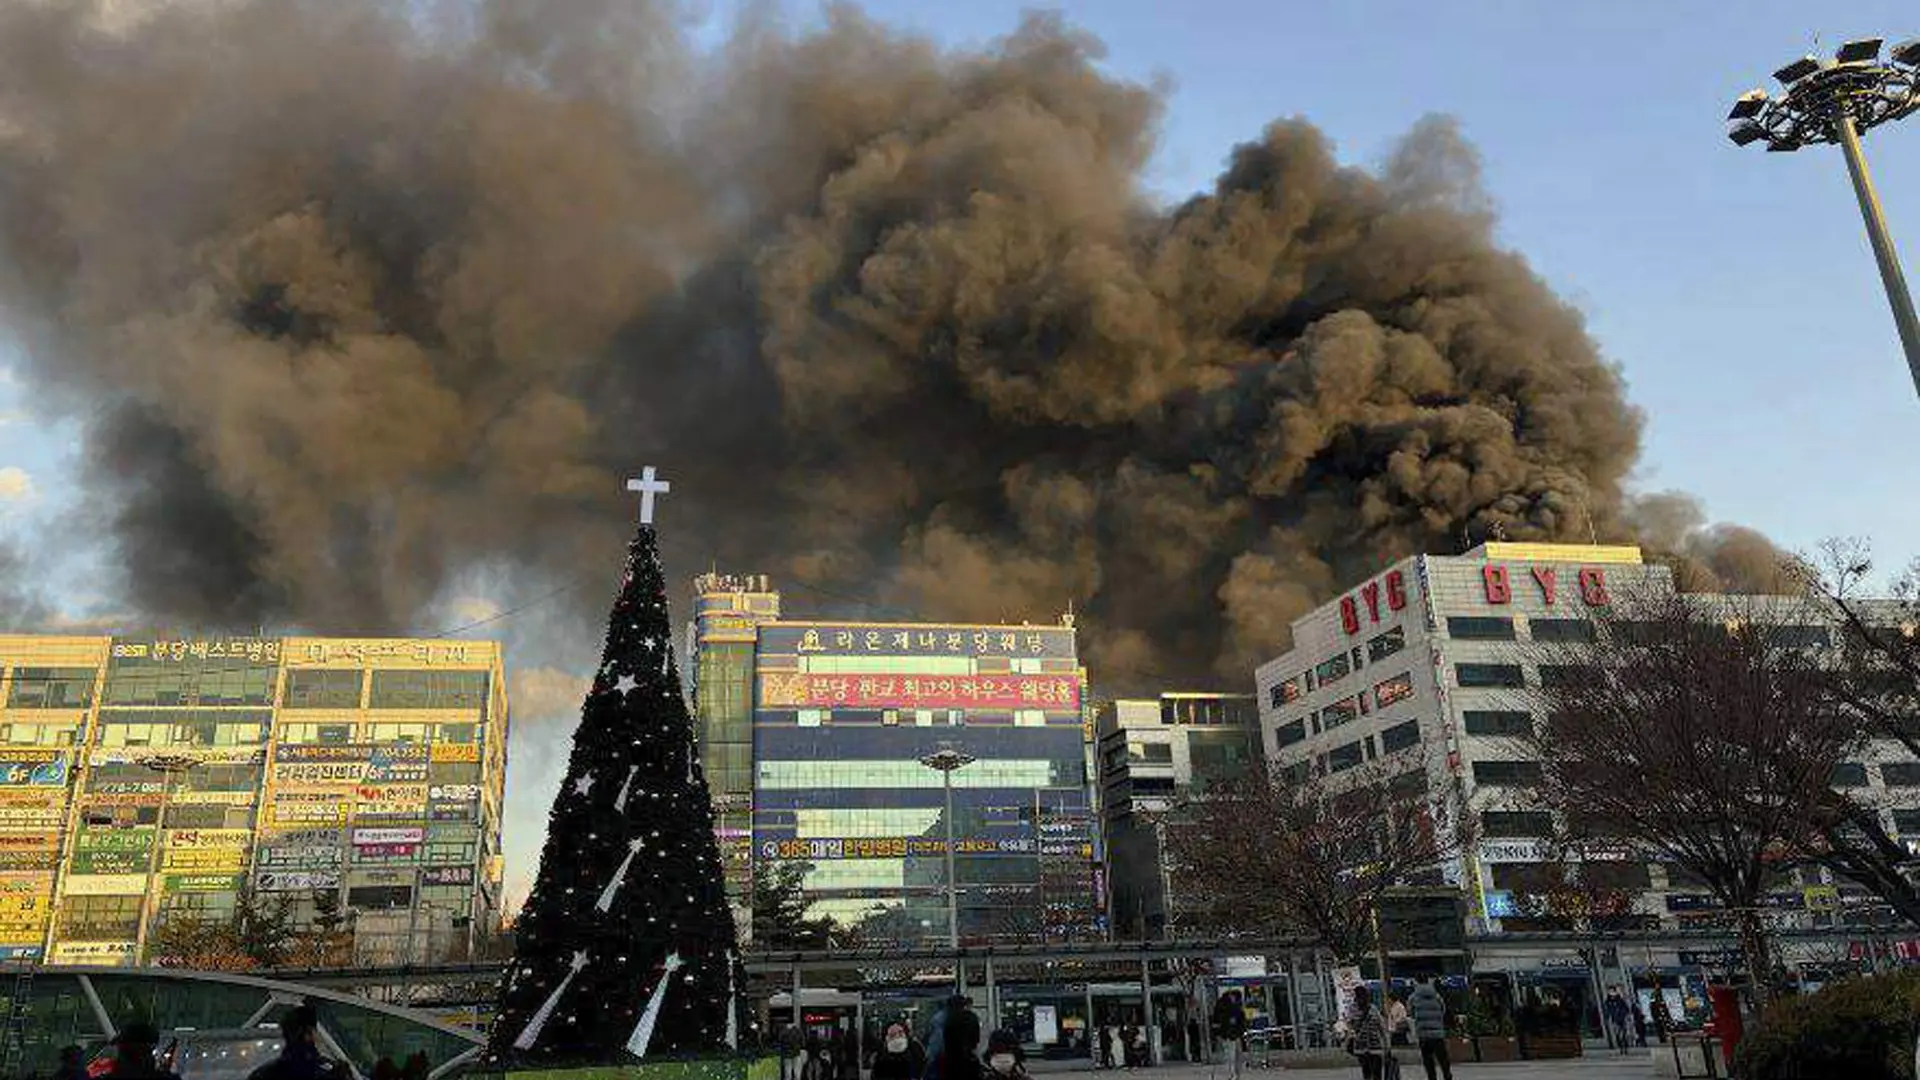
[1432, 659]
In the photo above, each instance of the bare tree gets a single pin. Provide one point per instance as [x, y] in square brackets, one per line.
[1687, 733]
[1877, 685]
[1313, 855]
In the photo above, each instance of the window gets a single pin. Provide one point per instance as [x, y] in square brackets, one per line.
[1398, 688]
[51, 688]
[1633, 632]
[1506, 773]
[1288, 734]
[1564, 674]
[1797, 637]
[1029, 718]
[1906, 822]
[404, 689]
[1471, 675]
[1151, 785]
[1849, 774]
[1399, 737]
[100, 918]
[1497, 722]
[1900, 773]
[1515, 823]
[1408, 785]
[1338, 713]
[1562, 630]
[1480, 628]
[1385, 644]
[1287, 690]
[1333, 670]
[1150, 753]
[1342, 758]
[380, 897]
[319, 689]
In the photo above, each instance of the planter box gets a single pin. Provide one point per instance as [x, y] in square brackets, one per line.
[1496, 1048]
[1552, 1047]
[699, 1069]
[1460, 1050]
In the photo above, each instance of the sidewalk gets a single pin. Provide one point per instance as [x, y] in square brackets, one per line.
[1637, 1065]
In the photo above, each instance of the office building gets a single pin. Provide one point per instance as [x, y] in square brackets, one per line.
[728, 609]
[1430, 662]
[844, 715]
[148, 779]
[1157, 756]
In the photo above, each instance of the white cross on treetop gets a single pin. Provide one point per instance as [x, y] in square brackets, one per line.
[648, 485]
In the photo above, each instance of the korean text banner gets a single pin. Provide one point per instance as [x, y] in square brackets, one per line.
[780, 690]
[1043, 642]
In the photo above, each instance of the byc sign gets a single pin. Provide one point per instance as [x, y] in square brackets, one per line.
[1392, 588]
[1592, 582]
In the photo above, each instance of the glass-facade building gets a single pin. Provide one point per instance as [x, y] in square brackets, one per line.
[147, 779]
[844, 714]
[727, 610]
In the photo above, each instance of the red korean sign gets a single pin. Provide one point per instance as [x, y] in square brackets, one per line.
[1389, 592]
[1051, 692]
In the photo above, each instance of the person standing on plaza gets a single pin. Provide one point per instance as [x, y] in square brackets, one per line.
[1229, 1027]
[1399, 1027]
[1618, 1016]
[300, 1057]
[1428, 1011]
[1367, 1035]
[901, 1056]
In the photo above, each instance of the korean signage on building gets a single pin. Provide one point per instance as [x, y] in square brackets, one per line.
[296, 880]
[780, 690]
[447, 875]
[1043, 642]
[184, 883]
[33, 768]
[206, 850]
[890, 847]
[180, 650]
[106, 953]
[375, 651]
[309, 808]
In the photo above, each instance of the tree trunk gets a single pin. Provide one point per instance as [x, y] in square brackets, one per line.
[1756, 950]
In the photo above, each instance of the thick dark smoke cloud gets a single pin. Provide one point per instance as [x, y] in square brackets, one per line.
[359, 300]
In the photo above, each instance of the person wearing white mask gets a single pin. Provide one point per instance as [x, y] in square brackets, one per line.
[900, 1057]
[1004, 1057]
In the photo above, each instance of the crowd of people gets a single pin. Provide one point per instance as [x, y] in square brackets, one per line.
[951, 1051]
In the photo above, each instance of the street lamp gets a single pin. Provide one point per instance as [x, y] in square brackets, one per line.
[945, 761]
[1836, 100]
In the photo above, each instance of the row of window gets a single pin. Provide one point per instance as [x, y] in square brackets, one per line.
[1514, 677]
[306, 688]
[1392, 740]
[1584, 631]
[1339, 666]
[1003, 773]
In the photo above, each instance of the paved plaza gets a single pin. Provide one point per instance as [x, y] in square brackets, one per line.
[1637, 1066]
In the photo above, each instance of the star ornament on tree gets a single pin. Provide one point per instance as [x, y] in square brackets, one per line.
[625, 684]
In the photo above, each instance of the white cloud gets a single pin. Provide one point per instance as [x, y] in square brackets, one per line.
[16, 486]
[12, 416]
[468, 610]
[545, 704]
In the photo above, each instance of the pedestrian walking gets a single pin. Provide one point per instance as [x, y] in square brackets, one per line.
[901, 1057]
[1428, 1010]
[1399, 1027]
[1662, 1019]
[959, 1057]
[300, 1057]
[793, 1052]
[1006, 1060]
[1229, 1027]
[1367, 1035]
[1618, 1015]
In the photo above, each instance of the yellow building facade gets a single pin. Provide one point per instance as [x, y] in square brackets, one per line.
[153, 778]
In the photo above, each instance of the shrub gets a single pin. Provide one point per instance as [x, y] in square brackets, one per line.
[1860, 1029]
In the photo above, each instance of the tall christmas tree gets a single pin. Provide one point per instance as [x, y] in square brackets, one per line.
[625, 948]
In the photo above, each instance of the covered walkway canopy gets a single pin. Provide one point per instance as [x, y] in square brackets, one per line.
[222, 1020]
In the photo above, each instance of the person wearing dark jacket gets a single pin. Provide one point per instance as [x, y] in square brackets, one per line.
[901, 1057]
[1428, 1011]
[959, 1057]
[133, 1054]
[1005, 1059]
[73, 1064]
[1229, 1027]
[300, 1057]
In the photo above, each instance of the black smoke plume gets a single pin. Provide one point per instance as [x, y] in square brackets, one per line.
[359, 298]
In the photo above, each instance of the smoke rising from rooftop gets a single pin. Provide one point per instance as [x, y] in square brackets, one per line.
[359, 300]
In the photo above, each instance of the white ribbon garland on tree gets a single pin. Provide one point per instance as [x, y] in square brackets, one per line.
[643, 1031]
[531, 1034]
[605, 903]
[620, 800]
[733, 1006]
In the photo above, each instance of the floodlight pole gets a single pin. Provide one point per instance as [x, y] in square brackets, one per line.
[1896, 283]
